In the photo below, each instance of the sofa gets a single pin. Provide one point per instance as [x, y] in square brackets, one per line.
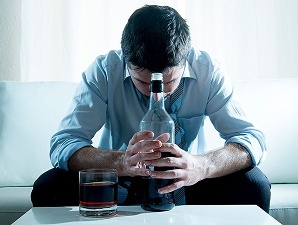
[31, 111]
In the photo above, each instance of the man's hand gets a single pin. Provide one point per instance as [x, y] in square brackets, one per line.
[141, 148]
[189, 169]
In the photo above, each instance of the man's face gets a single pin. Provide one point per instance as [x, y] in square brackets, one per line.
[141, 78]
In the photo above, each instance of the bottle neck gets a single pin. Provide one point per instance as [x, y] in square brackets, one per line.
[156, 95]
[156, 100]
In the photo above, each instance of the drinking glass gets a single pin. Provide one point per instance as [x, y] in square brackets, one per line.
[98, 192]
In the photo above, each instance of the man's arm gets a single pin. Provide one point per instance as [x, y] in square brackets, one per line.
[139, 149]
[229, 159]
[190, 169]
[90, 157]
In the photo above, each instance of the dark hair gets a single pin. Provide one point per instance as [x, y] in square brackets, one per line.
[155, 38]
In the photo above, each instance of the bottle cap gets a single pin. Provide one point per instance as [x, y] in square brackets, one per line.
[156, 76]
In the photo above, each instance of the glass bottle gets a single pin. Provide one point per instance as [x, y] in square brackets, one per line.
[159, 122]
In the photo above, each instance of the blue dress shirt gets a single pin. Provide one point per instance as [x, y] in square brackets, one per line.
[106, 99]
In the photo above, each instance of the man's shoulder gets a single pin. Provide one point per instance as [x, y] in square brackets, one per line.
[203, 58]
[105, 66]
[112, 58]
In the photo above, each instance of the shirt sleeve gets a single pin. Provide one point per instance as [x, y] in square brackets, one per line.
[86, 115]
[229, 119]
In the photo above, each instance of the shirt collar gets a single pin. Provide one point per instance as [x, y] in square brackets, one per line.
[126, 75]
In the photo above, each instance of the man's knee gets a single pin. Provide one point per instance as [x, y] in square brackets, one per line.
[258, 188]
[56, 187]
[249, 186]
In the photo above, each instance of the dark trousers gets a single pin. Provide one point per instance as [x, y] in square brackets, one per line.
[58, 187]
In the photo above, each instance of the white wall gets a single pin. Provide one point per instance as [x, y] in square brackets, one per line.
[10, 37]
[58, 39]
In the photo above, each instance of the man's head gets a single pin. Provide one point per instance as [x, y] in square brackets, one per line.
[155, 39]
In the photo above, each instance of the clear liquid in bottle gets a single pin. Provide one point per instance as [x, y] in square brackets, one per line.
[159, 122]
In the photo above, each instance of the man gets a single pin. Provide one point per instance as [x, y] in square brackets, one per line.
[113, 95]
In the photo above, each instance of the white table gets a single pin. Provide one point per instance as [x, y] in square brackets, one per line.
[129, 215]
